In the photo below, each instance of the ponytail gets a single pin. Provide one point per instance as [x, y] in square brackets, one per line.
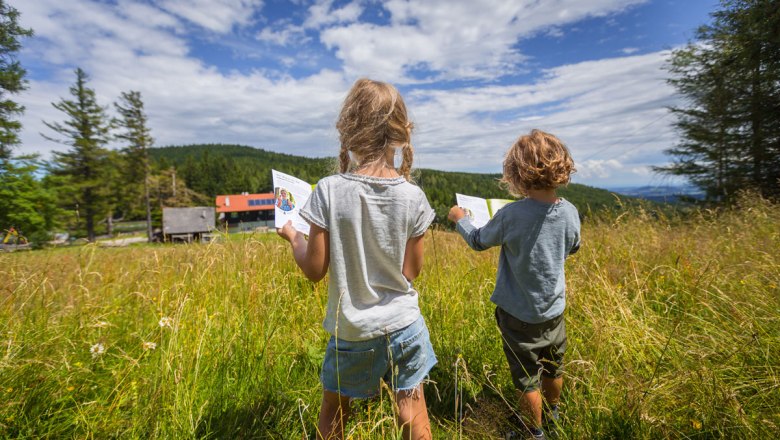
[344, 160]
[407, 153]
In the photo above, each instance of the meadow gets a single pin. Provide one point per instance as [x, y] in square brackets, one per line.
[673, 324]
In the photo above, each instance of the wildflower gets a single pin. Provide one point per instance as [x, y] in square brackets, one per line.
[9, 390]
[97, 350]
[150, 345]
[71, 388]
[696, 424]
[101, 324]
[166, 322]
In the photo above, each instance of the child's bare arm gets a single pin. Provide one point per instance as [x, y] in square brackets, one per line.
[312, 256]
[413, 257]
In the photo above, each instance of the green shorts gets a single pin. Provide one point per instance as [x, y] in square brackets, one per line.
[532, 350]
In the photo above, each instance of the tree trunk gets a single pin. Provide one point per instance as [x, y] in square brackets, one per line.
[90, 218]
[89, 215]
[756, 119]
[149, 231]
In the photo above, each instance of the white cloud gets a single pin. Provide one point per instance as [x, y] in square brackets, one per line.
[151, 16]
[322, 13]
[286, 35]
[215, 15]
[598, 168]
[67, 34]
[454, 38]
[187, 100]
[611, 109]
[642, 171]
[629, 50]
[609, 112]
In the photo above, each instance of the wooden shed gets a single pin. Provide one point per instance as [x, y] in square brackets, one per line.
[188, 224]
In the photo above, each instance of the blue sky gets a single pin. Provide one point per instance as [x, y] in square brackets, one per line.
[475, 74]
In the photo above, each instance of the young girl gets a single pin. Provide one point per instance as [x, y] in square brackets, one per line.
[367, 226]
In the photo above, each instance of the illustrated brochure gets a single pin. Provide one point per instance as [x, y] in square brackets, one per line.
[290, 194]
[480, 210]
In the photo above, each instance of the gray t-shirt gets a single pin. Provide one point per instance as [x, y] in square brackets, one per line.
[369, 220]
[535, 239]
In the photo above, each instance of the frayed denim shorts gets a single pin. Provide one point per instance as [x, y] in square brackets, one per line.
[402, 359]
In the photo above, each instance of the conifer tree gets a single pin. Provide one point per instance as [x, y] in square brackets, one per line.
[11, 78]
[27, 205]
[133, 121]
[86, 130]
[730, 123]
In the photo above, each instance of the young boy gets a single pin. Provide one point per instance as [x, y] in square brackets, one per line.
[536, 234]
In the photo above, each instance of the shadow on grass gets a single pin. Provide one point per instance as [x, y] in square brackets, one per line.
[267, 418]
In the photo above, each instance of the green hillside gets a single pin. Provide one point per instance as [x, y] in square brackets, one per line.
[229, 169]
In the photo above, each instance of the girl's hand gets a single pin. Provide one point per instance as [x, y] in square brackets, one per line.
[456, 213]
[288, 231]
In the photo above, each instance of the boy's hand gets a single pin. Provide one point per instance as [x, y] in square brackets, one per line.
[287, 231]
[456, 213]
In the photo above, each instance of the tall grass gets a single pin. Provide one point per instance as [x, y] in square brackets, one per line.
[674, 332]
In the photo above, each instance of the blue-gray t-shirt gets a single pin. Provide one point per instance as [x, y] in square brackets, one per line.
[535, 239]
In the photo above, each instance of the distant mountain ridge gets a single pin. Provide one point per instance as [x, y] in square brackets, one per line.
[662, 193]
[213, 169]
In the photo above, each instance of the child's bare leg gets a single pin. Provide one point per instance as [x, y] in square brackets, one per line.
[531, 407]
[551, 388]
[413, 414]
[334, 414]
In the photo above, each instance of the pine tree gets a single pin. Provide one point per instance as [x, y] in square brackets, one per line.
[133, 121]
[86, 130]
[11, 78]
[730, 125]
[28, 205]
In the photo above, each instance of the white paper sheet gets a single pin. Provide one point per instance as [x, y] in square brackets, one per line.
[290, 194]
[476, 208]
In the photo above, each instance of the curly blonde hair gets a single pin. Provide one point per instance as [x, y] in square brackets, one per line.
[537, 160]
[373, 119]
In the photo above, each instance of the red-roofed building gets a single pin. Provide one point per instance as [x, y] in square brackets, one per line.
[245, 212]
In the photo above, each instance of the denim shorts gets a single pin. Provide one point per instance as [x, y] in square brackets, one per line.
[402, 359]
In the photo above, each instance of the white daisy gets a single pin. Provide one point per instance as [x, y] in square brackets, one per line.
[150, 345]
[97, 350]
[166, 322]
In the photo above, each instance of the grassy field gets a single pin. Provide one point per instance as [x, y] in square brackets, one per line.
[674, 332]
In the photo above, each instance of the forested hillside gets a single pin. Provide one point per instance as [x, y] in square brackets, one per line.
[230, 169]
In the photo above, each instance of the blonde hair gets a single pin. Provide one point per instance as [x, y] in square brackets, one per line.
[537, 160]
[373, 119]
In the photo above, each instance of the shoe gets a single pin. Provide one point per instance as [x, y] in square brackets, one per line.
[521, 431]
[515, 435]
[551, 416]
[551, 420]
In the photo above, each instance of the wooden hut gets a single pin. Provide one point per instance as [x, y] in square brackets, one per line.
[188, 224]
